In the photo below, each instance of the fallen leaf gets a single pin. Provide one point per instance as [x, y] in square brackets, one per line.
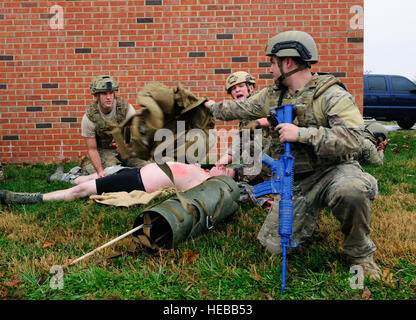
[407, 137]
[47, 243]
[13, 283]
[191, 255]
[385, 274]
[266, 295]
[256, 276]
[366, 293]
[3, 293]
[388, 278]
[391, 281]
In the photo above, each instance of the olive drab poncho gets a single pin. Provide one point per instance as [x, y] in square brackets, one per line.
[164, 108]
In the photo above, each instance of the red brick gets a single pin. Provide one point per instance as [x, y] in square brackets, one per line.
[43, 55]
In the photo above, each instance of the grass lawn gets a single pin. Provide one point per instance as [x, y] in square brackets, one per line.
[226, 263]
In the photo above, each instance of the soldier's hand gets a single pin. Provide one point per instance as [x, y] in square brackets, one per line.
[224, 160]
[209, 103]
[101, 174]
[382, 145]
[252, 125]
[288, 132]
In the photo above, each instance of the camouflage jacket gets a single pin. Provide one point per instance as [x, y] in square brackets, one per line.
[330, 124]
[369, 154]
[254, 107]
[257, 105]
[104, 139]
[243, 123]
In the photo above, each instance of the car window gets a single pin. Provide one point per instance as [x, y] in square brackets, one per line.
[377, 83]
[402, 84]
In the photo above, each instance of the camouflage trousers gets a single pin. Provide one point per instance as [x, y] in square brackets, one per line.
[346, 190]
[108, 159]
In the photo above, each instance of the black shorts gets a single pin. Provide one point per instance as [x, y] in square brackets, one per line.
[127, 179]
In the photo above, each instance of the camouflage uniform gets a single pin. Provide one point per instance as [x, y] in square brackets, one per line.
[326, 175]
[236, 78]
[369, 154]
[376, 135]
[255, 106]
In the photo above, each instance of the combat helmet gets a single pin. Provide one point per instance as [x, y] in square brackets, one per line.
[103, 84]
[239, 77]
[376, 132]
[293, 44]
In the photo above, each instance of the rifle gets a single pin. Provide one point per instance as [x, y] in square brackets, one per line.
[281, 182]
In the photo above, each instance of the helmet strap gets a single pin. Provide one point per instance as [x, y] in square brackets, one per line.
[288, 74]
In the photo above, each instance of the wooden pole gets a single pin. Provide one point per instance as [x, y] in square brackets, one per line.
[71, 262]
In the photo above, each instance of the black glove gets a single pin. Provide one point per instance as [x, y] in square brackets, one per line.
[272, 120]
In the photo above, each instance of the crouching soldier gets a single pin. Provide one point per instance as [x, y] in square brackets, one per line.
[372, 151]
[106, 109]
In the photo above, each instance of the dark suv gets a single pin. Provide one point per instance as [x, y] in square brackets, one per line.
[390, 97]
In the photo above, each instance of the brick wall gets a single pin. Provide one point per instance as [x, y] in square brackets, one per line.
[48, 57]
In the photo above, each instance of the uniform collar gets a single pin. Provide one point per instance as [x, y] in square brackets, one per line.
[311, 84]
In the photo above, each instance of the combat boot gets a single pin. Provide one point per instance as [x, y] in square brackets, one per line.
[56, 175]
[72, 174]
[370, 268]
[8, 197]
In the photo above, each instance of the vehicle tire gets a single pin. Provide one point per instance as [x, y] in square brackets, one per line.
[406, 123]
